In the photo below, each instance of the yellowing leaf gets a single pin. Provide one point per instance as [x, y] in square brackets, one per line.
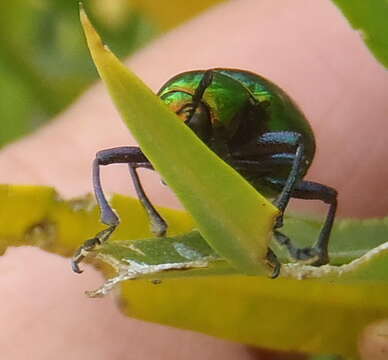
[285, 314]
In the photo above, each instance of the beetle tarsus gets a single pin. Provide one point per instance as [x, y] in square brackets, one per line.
[89, 246]
[158, 226]
[274, 263]
[74, 263]
[315, 255]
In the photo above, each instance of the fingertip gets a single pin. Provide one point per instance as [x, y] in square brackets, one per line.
[373, 342]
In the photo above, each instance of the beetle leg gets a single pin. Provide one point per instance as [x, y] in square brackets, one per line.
[158, 224]
[283, 199]
[318, 253]
[134, 157]
[281, 143]
[284, 141]
[205, 82]
[274, 263]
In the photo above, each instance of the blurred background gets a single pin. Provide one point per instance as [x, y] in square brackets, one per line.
[44, 62]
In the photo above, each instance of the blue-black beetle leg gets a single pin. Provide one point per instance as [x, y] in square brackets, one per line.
[284, 143]
[158, 224]
[309, 190]
[205, 82]
[294, 187]
[134, 157]
[318, 253]
[274, 263]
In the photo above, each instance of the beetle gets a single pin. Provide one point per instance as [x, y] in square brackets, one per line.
[255, 127]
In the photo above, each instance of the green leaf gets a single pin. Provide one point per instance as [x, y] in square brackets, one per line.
[370, 18]
[364, 260]
[232, 216]
[324, 315]
[316, 316]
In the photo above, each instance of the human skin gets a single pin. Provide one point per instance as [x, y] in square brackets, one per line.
[305, 47]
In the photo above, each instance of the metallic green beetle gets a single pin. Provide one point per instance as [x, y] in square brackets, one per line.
[251, 124]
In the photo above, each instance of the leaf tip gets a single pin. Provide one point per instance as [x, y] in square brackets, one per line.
[82, 12]
[92, 37]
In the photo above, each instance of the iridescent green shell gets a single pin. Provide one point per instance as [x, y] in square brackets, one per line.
[229, 93]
